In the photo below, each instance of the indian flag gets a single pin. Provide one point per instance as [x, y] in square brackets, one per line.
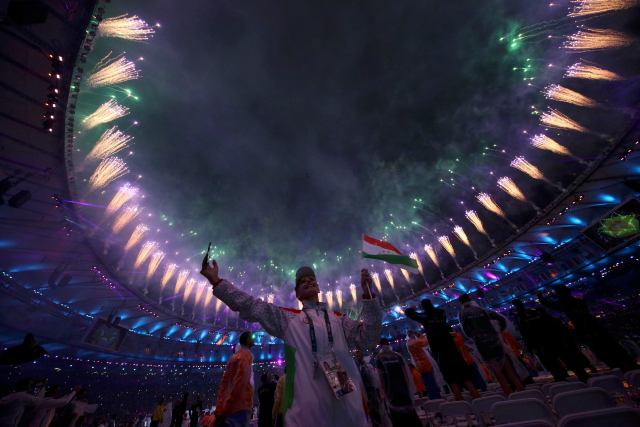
[384, 251]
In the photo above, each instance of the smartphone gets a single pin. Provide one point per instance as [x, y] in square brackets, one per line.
[208, 250]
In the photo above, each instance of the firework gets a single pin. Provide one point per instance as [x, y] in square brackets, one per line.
[589, 39]
[187, 289]
[156, 259]
[126, 216]
[207, 298]
[145, 252]
[590, 72]
[432, 255]
[180, 281]
[218, 304]
[562, 94]
[329, 295]
[555, 119]
[474, 219]
[507, 185]
[107, 171]
[124, 194]
[486, 201]
[136, 236]
[543, 142]
[414, 255]
[595, 7]
[523, 165]
[270, 298]
[354, 292]
[389, 276]
[376, 281]
[200, 290]
[446, 244]
[125, 27]
[169, 270]
[105, 113]
[320, 296]
[339, 297]
[111, 142]
[462, 236]
[406, 276]
[112, 71]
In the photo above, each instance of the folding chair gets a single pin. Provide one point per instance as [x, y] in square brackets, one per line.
[610, 417]
[588, 399]
[511, 411]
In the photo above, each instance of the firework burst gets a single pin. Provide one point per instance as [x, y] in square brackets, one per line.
[562, 94]
[180, 281]
[126, 216]
[111, 142]
[414, 256]
[555, 119]
[590, 39]
[105, 113]
[432, 255]
[507, 185]
[543, 142]
[354, 292]
[156, 259]
[122, 196]
[532, 171]
[169, 271]
[199, 291]
[462, 236]
[446, 244]
[112, 71]
[389, 276]
[474, 219]
[376, 281]
[329, 297]
[144, 253]
[406, 276]
[125, 27]
[596, 7]
[218, 304]
[339, 297]
[107, 171]
[187, 289]
[590, 72]
[207, 298]
[136, 236]
[490, 205]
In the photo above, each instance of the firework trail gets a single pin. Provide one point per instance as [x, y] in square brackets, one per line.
[414, 255]
[446, 244]
[329, 295]
[507, 185]
[105, 113]
[200, 290]
[111, 142]
[144, 253]
[376, 281]
[180, 281]
[156, 259]
[125, 27]
[595, 7]
[207, 299]
[136, 236]
[218, 305]
[462, 236]
[590, 39]
[339, 298]
[532, 171]
[270, 298]
[490, 205]
[354, 293]
[187, 289]
[112, 71]
[123, 195]
[432, 255]
[543, 142]
[562, 94]
[320, 296]
[389, 276]
[590, 72]
[126, 216]
[406, 276]
[107, 171]
[169, 270]
[555, 119]
[474, 219]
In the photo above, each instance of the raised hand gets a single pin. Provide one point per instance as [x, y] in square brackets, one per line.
[210, 271]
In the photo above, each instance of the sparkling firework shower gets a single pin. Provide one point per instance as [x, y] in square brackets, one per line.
[590, 72]
[126, 216]
[112, 71]
[486, 201]
[446, 244]
[169, 270]
[207, 298]
[595, 7]
[146, 250]
[376, 281]
[105, 113]
[339, 297]
[508, 186]
[182, 278]
[107, 171]
[136, 236]
[474, 219]
[111, 142]
[122, 196]
[389, 276]
[187, 289]
[555, 119]
[200, 289]
[156, 259]
[125, 27]
[589, 39]
[462, 236]
[562, 94]
[406, 276]
[543, 142]
[432, 255]
[414, 255]
[329, 296]
[354, 294]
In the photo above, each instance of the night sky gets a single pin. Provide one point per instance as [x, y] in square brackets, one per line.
[283, 131]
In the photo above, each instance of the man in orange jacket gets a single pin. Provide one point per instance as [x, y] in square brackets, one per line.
[416, 346]
[235, 395]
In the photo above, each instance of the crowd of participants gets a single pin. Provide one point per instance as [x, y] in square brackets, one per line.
[372, 381]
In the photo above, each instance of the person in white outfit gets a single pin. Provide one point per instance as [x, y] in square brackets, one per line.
[14, 405]
[317, 343]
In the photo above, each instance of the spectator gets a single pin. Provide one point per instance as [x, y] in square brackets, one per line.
[13, 406]
[416, 344]
[266, 396]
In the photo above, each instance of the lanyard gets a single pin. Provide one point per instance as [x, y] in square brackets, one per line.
[312, 331]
